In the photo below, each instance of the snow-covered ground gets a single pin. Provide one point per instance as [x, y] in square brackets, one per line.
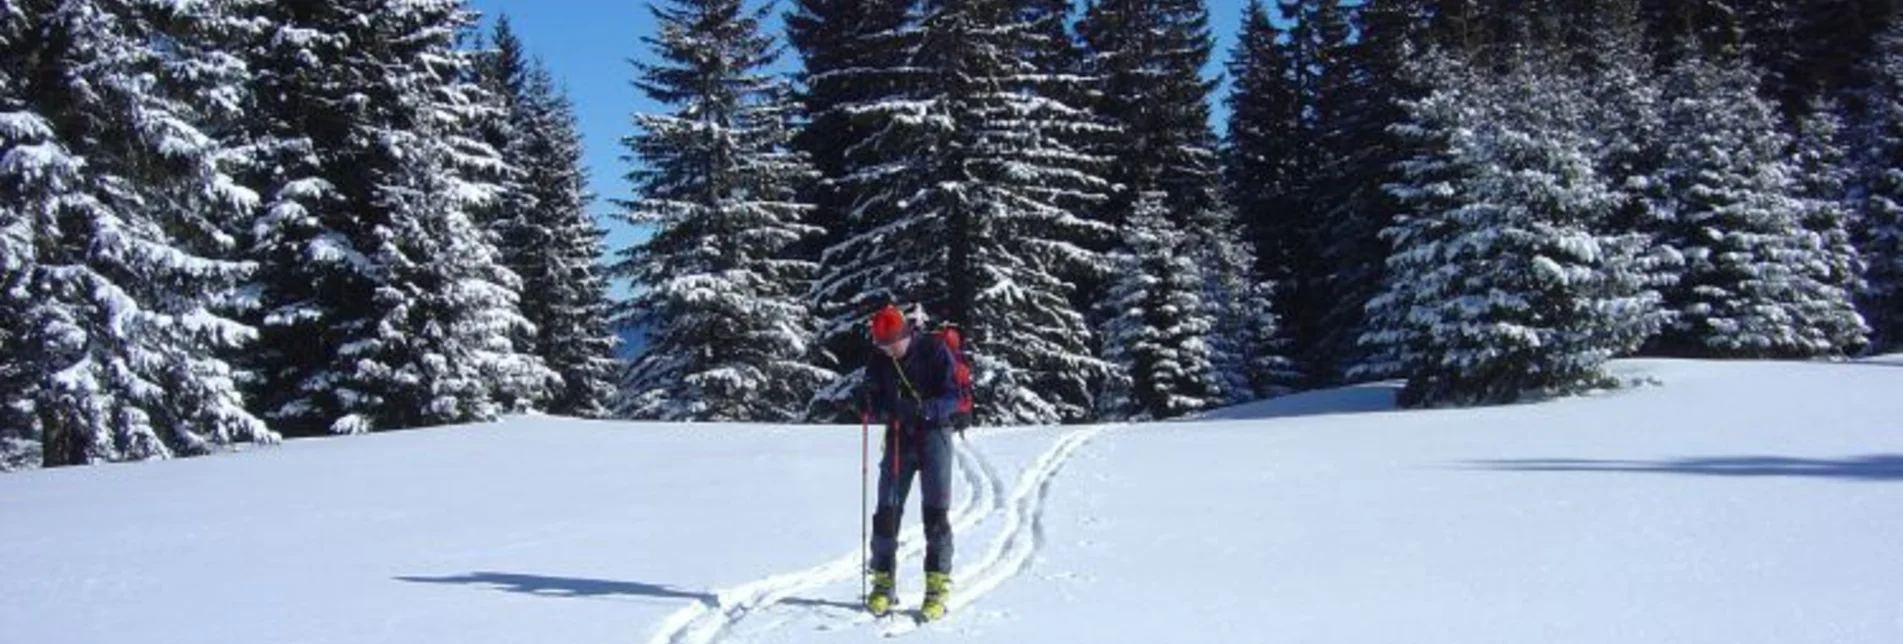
[1730, 502]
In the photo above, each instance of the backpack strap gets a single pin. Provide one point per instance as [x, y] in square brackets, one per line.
[905, 381]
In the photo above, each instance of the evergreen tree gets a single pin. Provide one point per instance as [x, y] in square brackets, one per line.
[890, 252]
[1366, 87]
[1627, 133]
[1148, 57]
[564, 292]
[542, 227]
[1500, 285]
[963, 194]
[502, 118]
[729, 336]
[19, 359]
[847, 48]
[1730, 206]
[1246, 349]
[1823, 183]
[852, 54]
[116, 202]
[1773, 29]
[498, 113]
[1050, 46]
[300, 239]
[500, 68]
[1053, 53]
[1158, 328]
[1397, 345]
[1260, 150]
[1318, 52]
[384, 303]
[1879, 192]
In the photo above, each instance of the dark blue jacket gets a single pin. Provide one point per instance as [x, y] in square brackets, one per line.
[929, 368]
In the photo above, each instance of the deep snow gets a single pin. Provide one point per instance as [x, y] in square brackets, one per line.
[1728, 502]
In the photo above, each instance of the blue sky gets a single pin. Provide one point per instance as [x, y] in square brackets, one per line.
[588, 44]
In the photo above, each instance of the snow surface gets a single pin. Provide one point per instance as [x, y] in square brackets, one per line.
[1729, 502]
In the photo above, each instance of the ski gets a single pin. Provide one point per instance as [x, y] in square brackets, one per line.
[903, 623]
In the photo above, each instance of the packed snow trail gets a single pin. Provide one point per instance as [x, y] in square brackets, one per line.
[700, 623]
[1009, 553]
[1012, 550]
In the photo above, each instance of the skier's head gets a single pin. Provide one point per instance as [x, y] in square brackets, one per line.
[891, 331]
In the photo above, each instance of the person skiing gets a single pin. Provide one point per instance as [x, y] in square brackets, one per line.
[913, 390]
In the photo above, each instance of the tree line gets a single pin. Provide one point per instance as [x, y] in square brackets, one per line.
[237, 221]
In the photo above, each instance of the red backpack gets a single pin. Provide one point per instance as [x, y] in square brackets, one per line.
[961, 369]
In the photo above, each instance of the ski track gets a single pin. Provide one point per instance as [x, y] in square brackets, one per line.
[701, 623]
[1021, 537]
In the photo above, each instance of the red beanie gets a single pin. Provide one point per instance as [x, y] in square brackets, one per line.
[887, 325]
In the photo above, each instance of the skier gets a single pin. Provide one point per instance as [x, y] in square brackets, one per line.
[913, 390]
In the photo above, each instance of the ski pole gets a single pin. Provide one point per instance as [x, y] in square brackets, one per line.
[865, 438]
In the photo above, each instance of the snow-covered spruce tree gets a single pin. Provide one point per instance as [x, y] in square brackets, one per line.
[1259, 160]
[864, 71]
[564, 292]
[1499, 285]
[1244, 343]
[1625, 132]
[1259, 179]
[1823, 175]
[20, 361]
[1878, 138]
[300, 238]
[490, 111]
[500, 68]
[19, 435]
[1147, 58]
[385, 304]
[1049, 47]
[848, 51]
[729, 335]
[116, 198]
[1362, 88]
[1035, 185]
[1320, 71]
[961, 195]
[1157, 326]
[1729, 204]
[1427, 187]
[852, 53]
[544, 232]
